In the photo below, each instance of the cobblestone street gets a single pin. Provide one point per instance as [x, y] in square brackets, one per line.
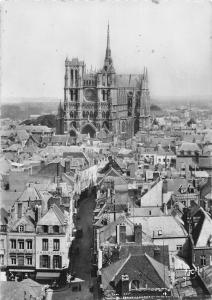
[81, 261]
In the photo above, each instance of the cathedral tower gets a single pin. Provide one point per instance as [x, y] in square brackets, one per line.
[145, 103]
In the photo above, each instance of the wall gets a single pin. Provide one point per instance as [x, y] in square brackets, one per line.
[63, 251]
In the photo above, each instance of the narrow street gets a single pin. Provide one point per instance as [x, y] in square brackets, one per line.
[81, 261]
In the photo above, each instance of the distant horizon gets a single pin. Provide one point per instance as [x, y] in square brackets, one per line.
[157, 100]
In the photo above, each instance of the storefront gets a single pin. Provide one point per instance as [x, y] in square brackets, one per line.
[16, 274]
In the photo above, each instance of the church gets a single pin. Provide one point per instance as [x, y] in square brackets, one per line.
[103, 100]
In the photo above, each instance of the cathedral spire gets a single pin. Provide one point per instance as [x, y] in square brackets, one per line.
[108, 51]
[108, 62]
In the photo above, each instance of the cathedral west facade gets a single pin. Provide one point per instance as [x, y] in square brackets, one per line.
[103, 100]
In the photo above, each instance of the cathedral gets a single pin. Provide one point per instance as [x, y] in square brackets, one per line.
[103, 100]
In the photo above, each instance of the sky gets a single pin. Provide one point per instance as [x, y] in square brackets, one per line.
[172, 38]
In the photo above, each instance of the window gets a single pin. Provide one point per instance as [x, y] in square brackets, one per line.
[135, 284]
[21, 260]
[1, 259]
[21, 228]
[13, 260]
[159, 232]
[29, 244]
[29, 260]
[56, 245]
[45, 244]
[123, 127]
[45, 228]
[1, 244]
[202, 260]
[21, 244]
[56, 229]
[179, 247]
[45, 261]
[13, 244]
[56, 261]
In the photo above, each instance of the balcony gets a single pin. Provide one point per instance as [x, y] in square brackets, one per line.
[27, 251]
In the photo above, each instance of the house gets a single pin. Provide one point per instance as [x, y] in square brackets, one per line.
[206, 195]
[3, 243]
[52, 245]
[135, 276]
[198, 250]
[187, 158]
[21, 246]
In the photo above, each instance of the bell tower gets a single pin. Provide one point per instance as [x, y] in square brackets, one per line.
[145, 103]
[73, 93]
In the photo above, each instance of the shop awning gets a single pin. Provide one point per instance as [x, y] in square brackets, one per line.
[44, 275]
[21, 270]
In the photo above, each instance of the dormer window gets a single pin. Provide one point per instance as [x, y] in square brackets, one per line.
[56, 229]
[21, 228]
[45, 228]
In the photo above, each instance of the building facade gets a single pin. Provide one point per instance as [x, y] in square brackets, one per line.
[115, 102]
[52, 245]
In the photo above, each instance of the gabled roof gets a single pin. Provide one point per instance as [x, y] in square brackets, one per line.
[202, 232]
[26, 220]
[112, 270]
[30, 194]
[115, 175]
[112, 163]
[54, 216]
[154, 272]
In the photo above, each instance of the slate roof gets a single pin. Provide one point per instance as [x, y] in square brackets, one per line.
[168, 226]
[54, 216]
[125, 80]
[155, 273]
[186, 146]
[112, 163]
[112, 270]
[202, 232]
[30, 193]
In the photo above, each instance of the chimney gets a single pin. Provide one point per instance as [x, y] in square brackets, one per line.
[121, 234]
[59, 190]
[99, 259]
[67, 166]
[39, 212]
[165, 186]
[138, 233]
[124, 285]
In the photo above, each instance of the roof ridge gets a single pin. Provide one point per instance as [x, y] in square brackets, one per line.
[125, 260]
[156, 264]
